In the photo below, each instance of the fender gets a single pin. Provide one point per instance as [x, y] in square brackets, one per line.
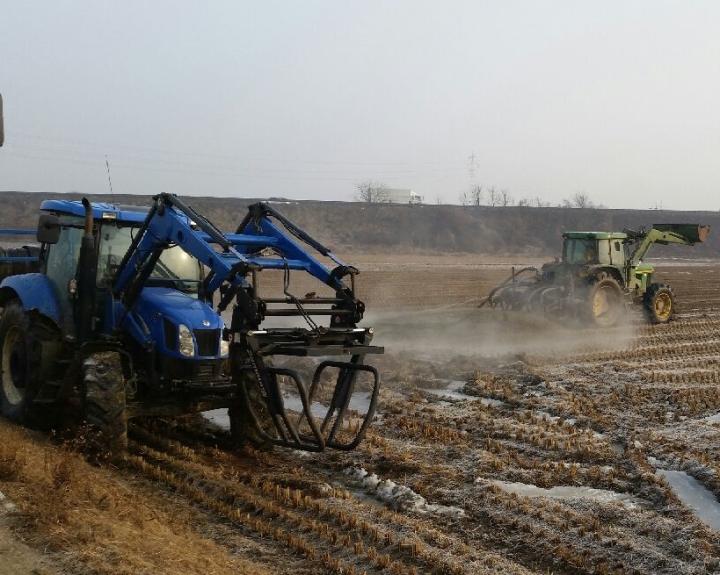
[35, 292]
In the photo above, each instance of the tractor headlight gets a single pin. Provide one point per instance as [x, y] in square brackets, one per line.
[186, 345]
[224, 347]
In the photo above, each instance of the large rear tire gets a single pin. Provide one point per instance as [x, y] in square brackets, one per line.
[27, 355]
[104, 402]
[659, 303]
[604, 302]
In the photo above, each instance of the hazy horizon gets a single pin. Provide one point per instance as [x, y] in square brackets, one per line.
[616, 100]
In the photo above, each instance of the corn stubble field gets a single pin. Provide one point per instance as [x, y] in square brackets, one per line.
[501, 445]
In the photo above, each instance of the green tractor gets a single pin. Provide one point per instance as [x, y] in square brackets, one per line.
[599, 273]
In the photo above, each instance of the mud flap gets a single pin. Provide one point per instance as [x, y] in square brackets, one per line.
[307, 431]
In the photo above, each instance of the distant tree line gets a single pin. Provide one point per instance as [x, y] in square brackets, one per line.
[494, 197]
[373, 192]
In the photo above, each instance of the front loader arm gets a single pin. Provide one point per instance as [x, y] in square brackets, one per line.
[170, 222]
[665, 234]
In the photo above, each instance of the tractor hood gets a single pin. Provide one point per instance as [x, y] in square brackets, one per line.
[177, 307]
[164, 309]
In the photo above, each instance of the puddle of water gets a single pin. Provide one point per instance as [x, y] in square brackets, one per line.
[695, 496]
[360, 402]
[568, 492]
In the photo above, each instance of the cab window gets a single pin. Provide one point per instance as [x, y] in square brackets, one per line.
[62, 257]
[580, 251]
[175, 268]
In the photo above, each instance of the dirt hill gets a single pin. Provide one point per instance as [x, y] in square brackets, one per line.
[352, 226]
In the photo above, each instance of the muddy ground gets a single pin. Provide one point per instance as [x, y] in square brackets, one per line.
[502, 444]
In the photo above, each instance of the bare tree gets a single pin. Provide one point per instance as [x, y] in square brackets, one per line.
[372, 192]
[464, 198]
[523, 203]
[493, 197]
[505, 198]
[581, 200]
[476, 194]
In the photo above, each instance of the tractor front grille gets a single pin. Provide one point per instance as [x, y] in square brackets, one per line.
[193, 373]
[208, 341]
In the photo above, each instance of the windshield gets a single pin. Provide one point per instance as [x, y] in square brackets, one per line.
[175, 268]
[580, 251]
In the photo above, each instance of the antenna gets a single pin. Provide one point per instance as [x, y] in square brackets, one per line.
[2, 131]
[107, 166]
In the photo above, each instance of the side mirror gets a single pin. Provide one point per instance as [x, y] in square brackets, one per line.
[48, 231]
[2, 132]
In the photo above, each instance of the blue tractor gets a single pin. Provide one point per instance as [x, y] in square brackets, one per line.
[119, 314]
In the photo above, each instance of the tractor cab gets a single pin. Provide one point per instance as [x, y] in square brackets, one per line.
[595, 248]
[184, 330]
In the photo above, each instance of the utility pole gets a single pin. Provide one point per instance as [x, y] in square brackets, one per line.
[107, 167]
[472, 163]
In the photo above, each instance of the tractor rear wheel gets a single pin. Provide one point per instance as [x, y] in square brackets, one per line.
[604, 304]
[104, 404]
[659, 303]
[25, 364]
[242, 427]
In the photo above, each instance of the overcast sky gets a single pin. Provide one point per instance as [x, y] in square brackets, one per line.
[304, 99]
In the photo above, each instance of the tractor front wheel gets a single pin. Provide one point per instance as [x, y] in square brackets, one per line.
[104, 404]
[659, 303]
[250, 402]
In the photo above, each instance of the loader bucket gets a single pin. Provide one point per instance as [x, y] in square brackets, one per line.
[693, 233]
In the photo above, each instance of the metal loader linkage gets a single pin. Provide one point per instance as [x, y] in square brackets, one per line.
[267, 240]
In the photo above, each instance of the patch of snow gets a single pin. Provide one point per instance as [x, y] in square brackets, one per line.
[695, 496]
[7, 505]
[219, 417]
[566, 492]
[399, 496]
[546, 416]
[713, 418]
[452, 392]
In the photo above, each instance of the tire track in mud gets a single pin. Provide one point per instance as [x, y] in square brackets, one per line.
[617, 390]
[341, 532]
[576, 541]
